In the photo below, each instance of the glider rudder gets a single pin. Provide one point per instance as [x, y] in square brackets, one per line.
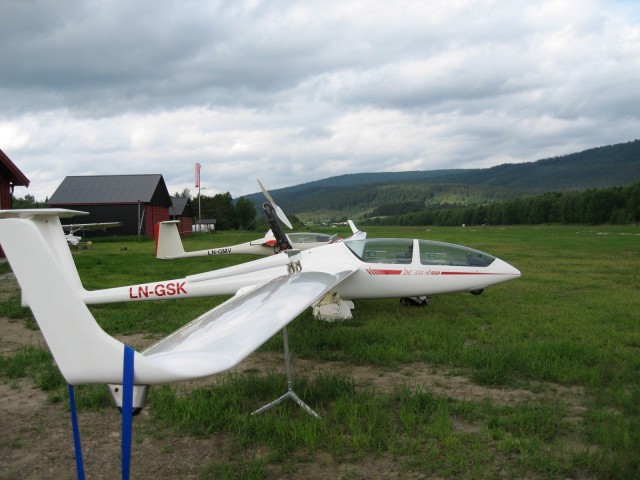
[169, 244]
[47, 221]
[82, 350]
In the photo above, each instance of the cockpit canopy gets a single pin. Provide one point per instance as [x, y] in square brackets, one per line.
[400, 251]
[307, 237]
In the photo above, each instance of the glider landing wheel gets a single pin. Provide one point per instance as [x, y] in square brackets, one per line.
[421, 301]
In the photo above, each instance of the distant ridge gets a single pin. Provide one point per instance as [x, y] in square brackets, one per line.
[609, 166]
[359, 179]
[354, 194]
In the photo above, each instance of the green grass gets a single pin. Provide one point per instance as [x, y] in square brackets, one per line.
[570, 324]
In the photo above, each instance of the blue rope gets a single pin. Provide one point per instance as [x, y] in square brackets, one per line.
[127, 418]
[76, 434]
[127, 410]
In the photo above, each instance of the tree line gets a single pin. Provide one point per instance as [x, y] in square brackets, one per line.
[615, 205]
[239, 215]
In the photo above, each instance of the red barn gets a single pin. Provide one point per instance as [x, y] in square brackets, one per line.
[182, 211]
[138, 201]
[10, 177]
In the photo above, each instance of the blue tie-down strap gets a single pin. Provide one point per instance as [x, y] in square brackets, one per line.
[127, 418]
[76, 434]
[127, 410]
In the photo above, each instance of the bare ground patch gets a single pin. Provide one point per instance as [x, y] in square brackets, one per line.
[437, 380]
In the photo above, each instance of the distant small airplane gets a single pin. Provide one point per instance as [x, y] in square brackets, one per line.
[71, 229]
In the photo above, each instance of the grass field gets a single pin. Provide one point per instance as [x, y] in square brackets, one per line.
[535, 378]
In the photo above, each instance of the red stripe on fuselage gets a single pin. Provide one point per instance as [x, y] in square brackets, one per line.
[382, 271]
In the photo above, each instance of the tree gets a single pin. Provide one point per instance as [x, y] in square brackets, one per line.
[186, 193]
[220, 207]
[632, 205]
[245, 214]
[29, 201]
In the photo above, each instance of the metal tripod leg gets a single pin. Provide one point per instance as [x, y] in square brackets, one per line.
[290, 393]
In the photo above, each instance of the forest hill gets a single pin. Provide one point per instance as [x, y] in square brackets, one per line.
[615, 205]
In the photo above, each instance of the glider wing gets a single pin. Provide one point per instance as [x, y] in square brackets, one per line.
[224, 336]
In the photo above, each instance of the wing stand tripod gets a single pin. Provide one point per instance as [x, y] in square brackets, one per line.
[290, 394]
[294, 266]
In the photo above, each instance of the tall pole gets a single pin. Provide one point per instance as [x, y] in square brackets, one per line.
[197, 179]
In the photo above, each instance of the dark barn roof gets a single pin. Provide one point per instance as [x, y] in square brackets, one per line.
[112, 189]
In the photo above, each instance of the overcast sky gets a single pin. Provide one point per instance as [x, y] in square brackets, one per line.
[290, 92]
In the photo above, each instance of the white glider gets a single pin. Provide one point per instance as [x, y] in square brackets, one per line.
[268, 294]
[72, 229]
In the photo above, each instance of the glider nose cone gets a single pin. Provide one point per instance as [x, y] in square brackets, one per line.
[503, 268]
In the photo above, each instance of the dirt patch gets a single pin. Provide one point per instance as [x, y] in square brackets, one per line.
[436, 380]
[37, 443]
[13, 335]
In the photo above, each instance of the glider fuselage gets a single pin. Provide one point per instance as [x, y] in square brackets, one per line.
[384, 268]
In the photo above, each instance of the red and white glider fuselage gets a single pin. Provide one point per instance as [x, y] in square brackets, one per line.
[382, 268]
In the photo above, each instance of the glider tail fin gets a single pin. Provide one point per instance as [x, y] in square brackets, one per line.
[82, 350]
[47, 222]
[168, 242]
[356, 233]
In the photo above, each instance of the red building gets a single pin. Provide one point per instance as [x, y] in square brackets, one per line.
[138, 201]
[183, 212]
[10, 177]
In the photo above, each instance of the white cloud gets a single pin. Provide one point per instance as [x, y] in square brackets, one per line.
[293, 92]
